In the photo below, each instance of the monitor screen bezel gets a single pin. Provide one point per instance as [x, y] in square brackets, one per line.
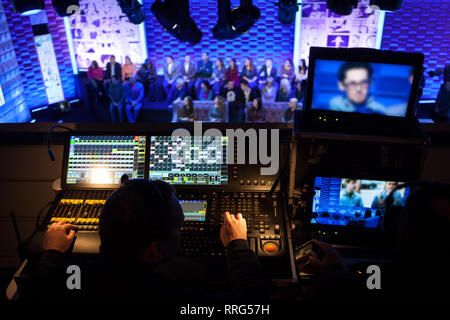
[65, 167]
[370, 56]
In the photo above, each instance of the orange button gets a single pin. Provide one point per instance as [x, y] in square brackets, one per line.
[270, 247]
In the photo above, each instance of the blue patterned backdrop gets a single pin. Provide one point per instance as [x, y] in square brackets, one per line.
[268, 38]
[421, 26]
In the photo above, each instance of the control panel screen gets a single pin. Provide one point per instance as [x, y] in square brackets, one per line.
[192, 160]
[353, 202]
[194, 210]
[102, 160]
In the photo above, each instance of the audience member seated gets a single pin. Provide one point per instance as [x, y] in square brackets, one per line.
[284, 92]
[287, 72]
[186, 113]
[218, 76]
[269, 92]
[248, 94]
[204, 72]
[113, 70]
[171, 74]
[178, 92]
[217, 112]
[302, 72]
[95, 77]
[233, 96]
[266, 72]
[255, 111]
[117, 96]
[300, 90]
[249, 74]
[128, 69]
[288, 114]
[147, 76]
[232, 72]
[140, 237]
[188, 74]
[206, 92]
[134, 93]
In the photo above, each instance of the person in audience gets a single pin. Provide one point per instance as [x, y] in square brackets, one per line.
[117, 96]
[233, 95]
[269, 92]
[288, 114]
[188, 74]
[95, 76]
[218, 76]
[287, 72]
[147, 76]
[113, 69]
[134, 93]
[178, 92]
[204, 72]
[187, 113]
[284, 92]
[267, 71]
[171, 74]
[206, 92]
[302, 72]
[248, 93]
[128, 69]
[232, 72]
[300, 90]
[217, 113]
[255, 112]
[249, 73]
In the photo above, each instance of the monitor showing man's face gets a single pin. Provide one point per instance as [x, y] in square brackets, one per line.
[356, 85]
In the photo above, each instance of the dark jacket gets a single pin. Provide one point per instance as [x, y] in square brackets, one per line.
[117, 69]
[170, 280]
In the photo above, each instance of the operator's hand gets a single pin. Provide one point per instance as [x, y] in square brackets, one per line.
[59, 236]
[233, 228]
[331, 260]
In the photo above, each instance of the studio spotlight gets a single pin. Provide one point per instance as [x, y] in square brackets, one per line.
[65, 8]
[175, 18]
[342, 7]
[387, 5]
[233, 23]
[133, 10]
[287, 10]
[28, 7]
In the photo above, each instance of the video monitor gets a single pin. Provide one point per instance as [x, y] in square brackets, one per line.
[194, 210]
[102, 160]
[192, 160]
[353, 202]
[363, 81]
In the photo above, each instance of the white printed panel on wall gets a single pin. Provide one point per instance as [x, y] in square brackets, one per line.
[322, 28]
[101, 30]
[49, 68]
[2, 98]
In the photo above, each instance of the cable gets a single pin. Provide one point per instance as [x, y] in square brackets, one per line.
[40, 213]
[49, 134]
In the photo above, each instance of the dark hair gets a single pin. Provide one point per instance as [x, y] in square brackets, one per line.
[244, 82]
[190, 101]
[221, 63]
[207, 85]
[250, 62]
[259, 103]
[234, 63]
[112, 56]
[134, 216]
[349, 65]
[95, 64]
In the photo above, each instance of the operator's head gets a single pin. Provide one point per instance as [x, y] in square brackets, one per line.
[390, 185]
[140, 222]
[355, 79]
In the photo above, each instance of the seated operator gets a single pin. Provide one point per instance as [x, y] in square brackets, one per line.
[140, 234]
[355, 79]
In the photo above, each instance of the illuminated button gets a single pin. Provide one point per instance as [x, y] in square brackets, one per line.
[249, 182]
[242, 182]
[270, 247]
[255, 182]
